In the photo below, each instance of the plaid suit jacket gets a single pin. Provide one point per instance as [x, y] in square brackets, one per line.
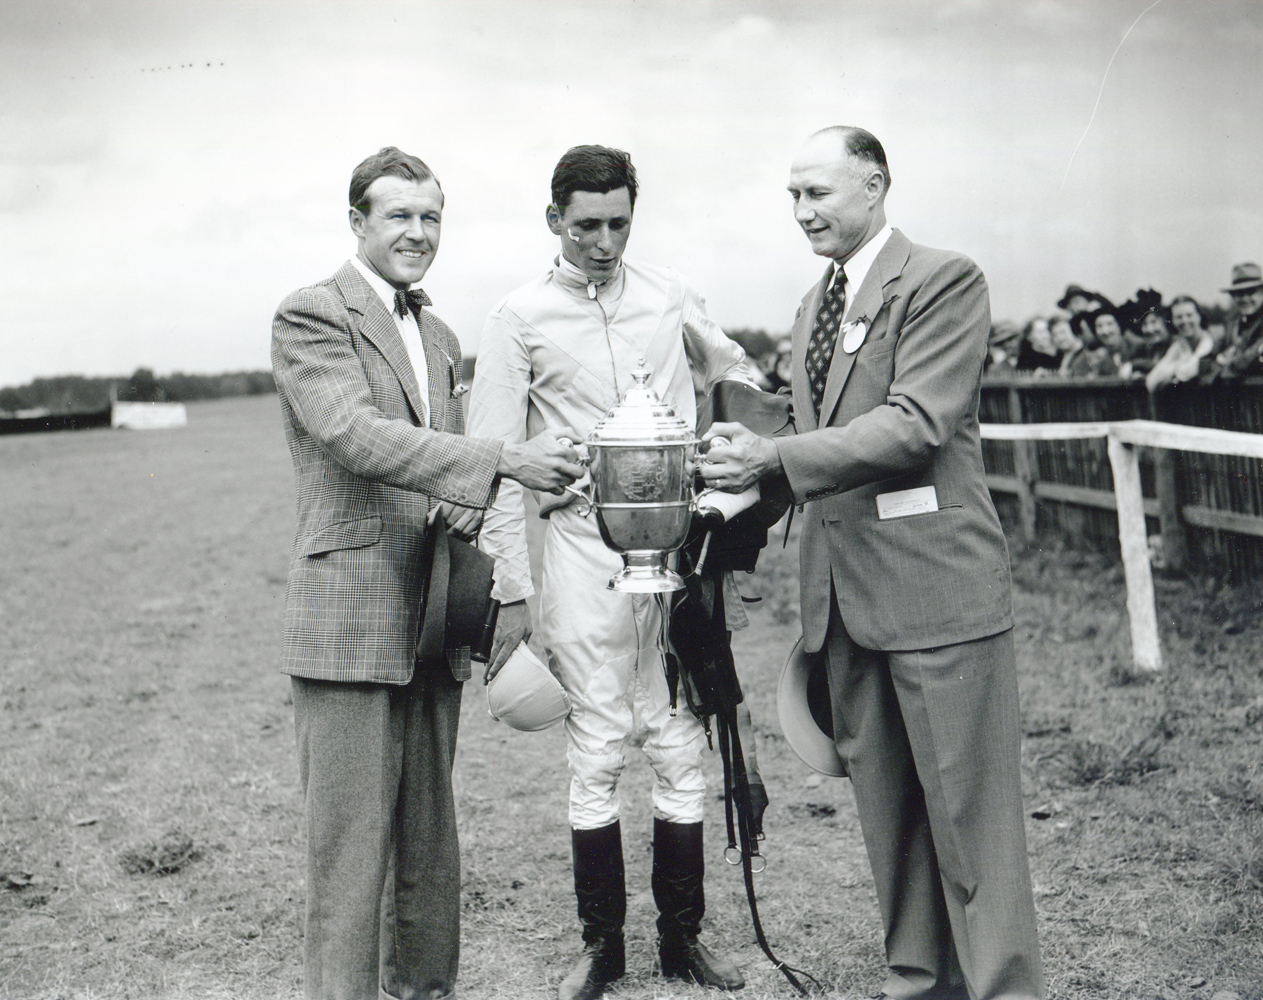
[367, 473]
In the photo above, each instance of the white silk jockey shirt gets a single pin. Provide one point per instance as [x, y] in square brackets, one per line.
[554, 356]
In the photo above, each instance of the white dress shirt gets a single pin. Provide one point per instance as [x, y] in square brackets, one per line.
[856, 269]
[409, 330]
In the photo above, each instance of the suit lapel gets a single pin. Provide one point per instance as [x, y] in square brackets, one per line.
[378, 327]
[436, 361]
[867, 303]
[805, 416]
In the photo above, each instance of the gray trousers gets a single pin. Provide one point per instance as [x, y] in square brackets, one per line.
[383, 863]
[931, 741]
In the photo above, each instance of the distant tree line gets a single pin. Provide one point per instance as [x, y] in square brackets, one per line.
[77, 393]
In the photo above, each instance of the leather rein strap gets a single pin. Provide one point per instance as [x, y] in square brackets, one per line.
[704, 662]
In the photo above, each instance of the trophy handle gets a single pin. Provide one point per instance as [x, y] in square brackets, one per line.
[585, 459]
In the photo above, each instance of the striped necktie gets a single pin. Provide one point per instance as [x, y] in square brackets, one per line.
[824, 338]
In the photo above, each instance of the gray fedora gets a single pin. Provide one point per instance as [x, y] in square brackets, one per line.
[1245, 278]
[805, 712]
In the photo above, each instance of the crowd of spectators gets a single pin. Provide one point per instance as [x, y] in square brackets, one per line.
[1144, 338]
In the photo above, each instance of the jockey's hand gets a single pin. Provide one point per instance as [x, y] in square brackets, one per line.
[512, 627]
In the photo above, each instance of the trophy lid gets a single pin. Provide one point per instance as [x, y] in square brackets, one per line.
[642, 417]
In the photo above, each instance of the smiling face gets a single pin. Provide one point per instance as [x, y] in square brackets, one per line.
[594, 229]
[838, 199]
[1249, 302]
[1154, 328]
[1108, 332]
[1041, 338]
[1187, 320]
[399, 234]
[1063, 335]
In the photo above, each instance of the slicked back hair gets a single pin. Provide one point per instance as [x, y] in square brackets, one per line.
[593, 168]
[386, 162]
[862, 145]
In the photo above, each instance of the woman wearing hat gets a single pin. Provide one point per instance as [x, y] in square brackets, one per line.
[1096, 360]
[1068, 345]
[1146, 333]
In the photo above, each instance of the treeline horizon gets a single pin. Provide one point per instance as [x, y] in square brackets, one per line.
[82, 393]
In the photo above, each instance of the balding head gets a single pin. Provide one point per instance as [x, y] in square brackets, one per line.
[839, 181]
[849, 142]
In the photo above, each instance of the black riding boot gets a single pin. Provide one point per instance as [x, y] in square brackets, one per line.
[598, 884]
[678, 870]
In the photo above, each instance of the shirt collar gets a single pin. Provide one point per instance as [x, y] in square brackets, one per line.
[384, 289]
[576, 280]
[858, 266]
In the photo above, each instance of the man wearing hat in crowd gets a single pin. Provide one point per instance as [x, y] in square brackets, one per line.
[1003, 347]
[368, 379]
[1243, 354]
[561, 350]
[905, 585]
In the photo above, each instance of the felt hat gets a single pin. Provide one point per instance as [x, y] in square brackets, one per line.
[1245, 278]
[805, 711]
[1071, 292]
[459, 608]
[1003, 331]
[525, 694]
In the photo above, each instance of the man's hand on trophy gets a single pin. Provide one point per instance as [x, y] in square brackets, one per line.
[512, 627]
[544, 462]
[740, 460]
[463, 522]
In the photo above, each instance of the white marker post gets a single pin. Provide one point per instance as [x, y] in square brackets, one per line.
[1134, 542]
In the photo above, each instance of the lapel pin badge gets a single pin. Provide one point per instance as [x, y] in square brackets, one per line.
[853, 334]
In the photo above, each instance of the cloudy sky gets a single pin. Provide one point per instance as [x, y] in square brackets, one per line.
[169, 171]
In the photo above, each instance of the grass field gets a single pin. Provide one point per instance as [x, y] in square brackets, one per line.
[149, 809]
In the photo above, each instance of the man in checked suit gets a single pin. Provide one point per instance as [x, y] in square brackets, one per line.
[905, 577]
[368, 380]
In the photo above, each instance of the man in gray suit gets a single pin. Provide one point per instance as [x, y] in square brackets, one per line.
[905, 577]
[368, 380]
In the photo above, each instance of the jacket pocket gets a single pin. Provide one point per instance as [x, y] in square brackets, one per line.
[875, 350]
[357, 533]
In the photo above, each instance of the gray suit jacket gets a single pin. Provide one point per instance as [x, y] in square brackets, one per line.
[367, 474]
[899, 413]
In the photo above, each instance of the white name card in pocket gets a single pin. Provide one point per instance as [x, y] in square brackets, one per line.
[905, 503]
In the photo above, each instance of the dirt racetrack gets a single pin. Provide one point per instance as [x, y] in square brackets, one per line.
[149, 810]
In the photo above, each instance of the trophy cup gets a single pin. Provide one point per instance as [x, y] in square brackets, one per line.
[641, 458]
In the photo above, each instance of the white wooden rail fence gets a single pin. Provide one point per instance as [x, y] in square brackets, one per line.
[1122, 439]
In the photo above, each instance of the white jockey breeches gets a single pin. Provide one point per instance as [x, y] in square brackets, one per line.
[603, 647]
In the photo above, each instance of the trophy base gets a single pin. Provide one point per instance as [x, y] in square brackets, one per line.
[646, 573]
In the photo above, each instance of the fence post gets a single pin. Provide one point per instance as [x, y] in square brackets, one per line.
[1024, 464]
[1174, 544]
[1174, 541]
[1135, 546]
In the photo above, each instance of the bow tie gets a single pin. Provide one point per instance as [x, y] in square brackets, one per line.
[410, 301]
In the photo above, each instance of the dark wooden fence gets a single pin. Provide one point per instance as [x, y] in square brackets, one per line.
[55, 422]
[1208, 509]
